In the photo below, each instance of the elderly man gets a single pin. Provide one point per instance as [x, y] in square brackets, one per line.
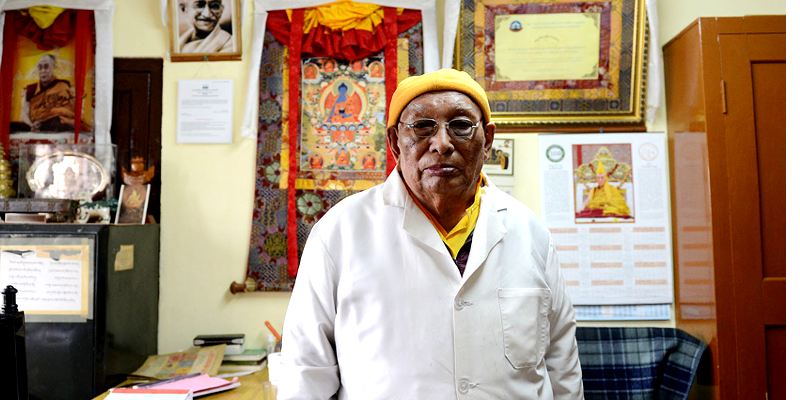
[48, 106]
[435, 284]
[604, 200]
[207, 36]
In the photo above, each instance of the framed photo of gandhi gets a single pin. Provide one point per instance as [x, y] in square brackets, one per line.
[203, 30]
[556, 62]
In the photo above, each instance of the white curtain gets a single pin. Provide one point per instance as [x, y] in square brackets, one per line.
[104, 53]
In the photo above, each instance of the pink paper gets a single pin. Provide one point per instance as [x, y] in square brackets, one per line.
[197, 383]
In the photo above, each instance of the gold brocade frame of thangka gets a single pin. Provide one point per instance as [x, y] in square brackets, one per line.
[608, 92]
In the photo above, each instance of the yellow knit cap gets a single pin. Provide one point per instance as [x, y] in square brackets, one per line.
[443, 79]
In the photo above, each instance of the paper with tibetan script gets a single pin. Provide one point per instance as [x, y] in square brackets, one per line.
[605, 199]
[51, 280]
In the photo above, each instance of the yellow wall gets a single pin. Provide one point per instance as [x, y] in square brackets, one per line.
[207, 190]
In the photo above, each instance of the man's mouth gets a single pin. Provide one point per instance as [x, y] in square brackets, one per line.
[441, 170]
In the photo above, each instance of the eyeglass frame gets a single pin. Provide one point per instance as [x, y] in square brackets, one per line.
[207, 3]
[446, 127]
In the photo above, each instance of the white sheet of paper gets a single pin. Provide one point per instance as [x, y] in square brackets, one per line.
[609, 260]
[205, 111]
[48, 281]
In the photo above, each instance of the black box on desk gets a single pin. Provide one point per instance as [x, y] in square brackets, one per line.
[80, 356]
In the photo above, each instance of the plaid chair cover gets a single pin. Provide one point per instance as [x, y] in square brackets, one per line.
[637, 363]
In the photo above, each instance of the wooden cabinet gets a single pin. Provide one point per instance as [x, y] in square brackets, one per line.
[726, 117]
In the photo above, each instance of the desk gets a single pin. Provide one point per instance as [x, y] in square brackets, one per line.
[251, 388]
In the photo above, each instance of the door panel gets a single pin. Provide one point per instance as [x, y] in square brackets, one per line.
[136, 120]
[754, 75]
[769, 99]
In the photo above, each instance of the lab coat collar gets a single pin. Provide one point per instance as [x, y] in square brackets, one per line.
[414, 220]
[489, 229]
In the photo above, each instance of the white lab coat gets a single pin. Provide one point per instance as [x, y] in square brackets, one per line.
[379, 310]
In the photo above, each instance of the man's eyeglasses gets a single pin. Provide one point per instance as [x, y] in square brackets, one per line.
[460, 128]
[212, 5]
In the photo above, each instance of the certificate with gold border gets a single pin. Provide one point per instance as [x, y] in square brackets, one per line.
[551, 62]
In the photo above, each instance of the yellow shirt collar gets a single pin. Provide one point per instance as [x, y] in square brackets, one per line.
[456, 238]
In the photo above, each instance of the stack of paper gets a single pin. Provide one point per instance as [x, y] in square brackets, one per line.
[149, 394]
[201, 385]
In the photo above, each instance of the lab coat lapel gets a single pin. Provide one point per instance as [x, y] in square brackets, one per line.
[488, 231]
[414, 220]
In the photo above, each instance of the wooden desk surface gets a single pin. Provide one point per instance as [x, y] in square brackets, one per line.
[251, 388]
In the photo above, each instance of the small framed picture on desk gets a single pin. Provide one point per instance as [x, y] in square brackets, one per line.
[133, 201]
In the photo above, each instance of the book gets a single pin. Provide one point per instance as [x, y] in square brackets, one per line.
[207, 340]
[247, 355]
[235, 367]
[203, 360]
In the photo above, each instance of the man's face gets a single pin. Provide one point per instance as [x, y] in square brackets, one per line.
[206, 14]
[46, 67]
[442, 164]
[601, 179]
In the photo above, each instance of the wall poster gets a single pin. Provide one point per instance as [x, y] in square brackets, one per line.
[54, 276]
[56, 74]
[605, 199]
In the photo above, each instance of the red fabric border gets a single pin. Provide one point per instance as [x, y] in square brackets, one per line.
[390, 54]
[294, 116]
[6, 79]
[82, 33]
[352, 44]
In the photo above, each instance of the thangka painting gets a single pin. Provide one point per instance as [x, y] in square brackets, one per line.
[44, 89]
[340, 140]
[48, 69]
[603, 180]
[343, 141]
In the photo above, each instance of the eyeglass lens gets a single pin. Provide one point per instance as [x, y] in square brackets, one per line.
[458, 127]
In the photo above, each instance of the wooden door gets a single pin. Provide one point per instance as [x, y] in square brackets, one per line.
[136, 120]
[754, 89]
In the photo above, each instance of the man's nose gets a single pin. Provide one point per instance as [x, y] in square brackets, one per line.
[441, 142]
[206, 11]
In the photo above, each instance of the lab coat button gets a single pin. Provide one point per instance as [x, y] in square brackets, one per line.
[460, 303]
[463, 386]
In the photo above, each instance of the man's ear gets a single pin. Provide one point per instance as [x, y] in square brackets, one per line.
[488, 136]
[394, 147]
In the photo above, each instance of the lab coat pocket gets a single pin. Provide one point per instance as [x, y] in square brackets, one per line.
[526, 328]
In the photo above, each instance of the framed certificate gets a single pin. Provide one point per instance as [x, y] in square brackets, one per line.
[556, 62]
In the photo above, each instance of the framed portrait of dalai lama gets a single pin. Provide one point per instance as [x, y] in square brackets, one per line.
[205, 30]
